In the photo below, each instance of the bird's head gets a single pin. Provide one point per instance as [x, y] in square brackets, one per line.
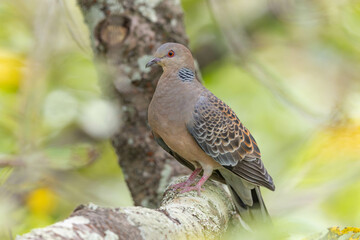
[172, 55]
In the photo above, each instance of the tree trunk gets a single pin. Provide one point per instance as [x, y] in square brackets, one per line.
[124, 35]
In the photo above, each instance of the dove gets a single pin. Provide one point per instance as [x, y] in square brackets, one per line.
[204, 134]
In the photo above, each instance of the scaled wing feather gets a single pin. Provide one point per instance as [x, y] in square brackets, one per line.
[220, 134]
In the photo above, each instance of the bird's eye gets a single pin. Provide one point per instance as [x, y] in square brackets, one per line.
[171, 53]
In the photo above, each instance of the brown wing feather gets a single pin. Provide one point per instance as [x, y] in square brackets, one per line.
[219, 132]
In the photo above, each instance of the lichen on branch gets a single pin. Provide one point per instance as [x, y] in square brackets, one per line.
[180, 216]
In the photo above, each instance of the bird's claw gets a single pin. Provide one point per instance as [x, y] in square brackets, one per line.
[181, 185]
[193, 188]
[178, 185]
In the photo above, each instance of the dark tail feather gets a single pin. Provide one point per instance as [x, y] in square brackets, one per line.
[248, 201]
[251, 215]
[259, 203]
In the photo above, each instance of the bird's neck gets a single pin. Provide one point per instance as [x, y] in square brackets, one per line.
[180, 79]
[175, 68]
[175, 94]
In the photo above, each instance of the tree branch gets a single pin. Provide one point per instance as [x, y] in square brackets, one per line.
[180, 216]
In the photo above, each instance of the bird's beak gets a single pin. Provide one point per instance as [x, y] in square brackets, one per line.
[152, 62]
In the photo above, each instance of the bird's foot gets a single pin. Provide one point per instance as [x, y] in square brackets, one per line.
[188, 182]
[181, 185]
[197, 188]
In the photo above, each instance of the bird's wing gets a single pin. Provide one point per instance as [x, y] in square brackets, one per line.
[220, 134]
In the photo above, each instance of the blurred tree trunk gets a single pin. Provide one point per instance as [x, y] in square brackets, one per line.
[124, 34]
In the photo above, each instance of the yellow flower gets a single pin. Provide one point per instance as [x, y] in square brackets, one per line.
[11, 66]
[41, 201]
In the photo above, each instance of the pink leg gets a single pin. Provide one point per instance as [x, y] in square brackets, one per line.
[198, 186]
[189, 181]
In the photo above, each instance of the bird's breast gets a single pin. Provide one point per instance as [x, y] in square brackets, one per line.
[172, 105]
[165, 117]
[171, 108]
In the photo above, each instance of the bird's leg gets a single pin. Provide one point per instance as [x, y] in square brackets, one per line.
[198, 186]
[189, 181]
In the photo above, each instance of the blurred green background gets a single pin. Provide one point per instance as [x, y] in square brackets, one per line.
[289, 69]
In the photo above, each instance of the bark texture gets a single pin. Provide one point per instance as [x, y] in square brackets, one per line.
[180, 216]
[124, 34]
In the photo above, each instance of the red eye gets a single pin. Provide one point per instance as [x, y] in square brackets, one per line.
[171, 53]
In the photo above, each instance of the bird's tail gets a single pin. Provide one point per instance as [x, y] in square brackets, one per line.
[248, 200]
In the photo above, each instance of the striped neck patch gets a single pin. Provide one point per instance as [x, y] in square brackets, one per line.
[186, 75]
